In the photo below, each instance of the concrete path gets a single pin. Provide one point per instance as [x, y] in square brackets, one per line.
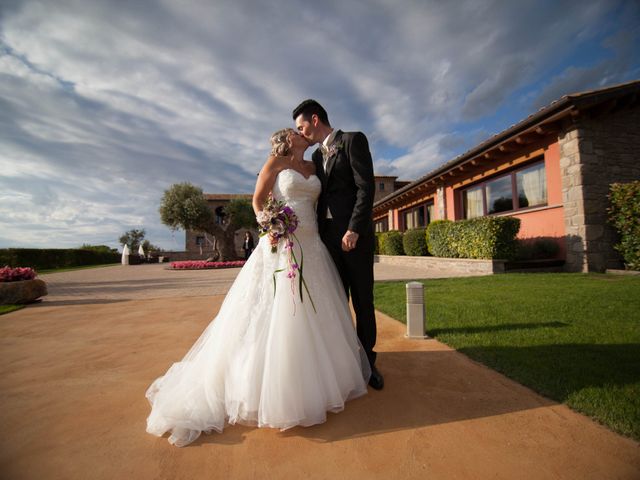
[74, 370]
[137, 282]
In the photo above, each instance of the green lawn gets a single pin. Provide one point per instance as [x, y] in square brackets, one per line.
[9, 308]
[574, 338]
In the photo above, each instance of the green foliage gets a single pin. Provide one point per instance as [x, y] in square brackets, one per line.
[537, 248]
[48, 258]
[483, 237]
[377, 243]
[573, 338]
[99, 248]
[415, 242]
[241, 213]
[150, 247]
[132, 239]
[437, 237]
[391, 243]
[624, 215]
[183, 206]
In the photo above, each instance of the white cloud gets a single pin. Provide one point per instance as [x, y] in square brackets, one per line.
[104, 104]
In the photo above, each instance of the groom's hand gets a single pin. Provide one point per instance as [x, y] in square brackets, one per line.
[349, 241]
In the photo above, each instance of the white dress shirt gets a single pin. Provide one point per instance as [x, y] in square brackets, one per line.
[325, 146]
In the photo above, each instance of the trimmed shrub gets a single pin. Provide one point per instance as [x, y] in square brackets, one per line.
[415, 242]
[437, 237]
[484, 238]
[47, 258]
[624, 215]
[377, 243]
[537, 248]
[391, 243]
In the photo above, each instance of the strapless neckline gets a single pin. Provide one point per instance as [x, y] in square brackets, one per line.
[299, 173]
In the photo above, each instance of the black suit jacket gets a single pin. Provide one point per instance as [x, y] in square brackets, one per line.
[348, 186]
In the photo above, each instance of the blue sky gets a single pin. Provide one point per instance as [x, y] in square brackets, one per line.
[105, 104]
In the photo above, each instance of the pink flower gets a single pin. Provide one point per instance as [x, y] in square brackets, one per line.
[8, 274]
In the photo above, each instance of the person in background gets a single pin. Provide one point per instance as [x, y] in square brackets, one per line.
[247, 245]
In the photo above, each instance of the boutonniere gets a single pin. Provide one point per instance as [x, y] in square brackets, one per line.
[333, 149]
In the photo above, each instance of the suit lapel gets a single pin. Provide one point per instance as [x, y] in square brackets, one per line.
[316, 156]
[332, 159]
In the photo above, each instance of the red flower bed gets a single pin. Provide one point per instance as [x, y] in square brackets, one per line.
[203, 264]
[8, 274]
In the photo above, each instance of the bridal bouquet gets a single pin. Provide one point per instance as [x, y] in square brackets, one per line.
[278, 221]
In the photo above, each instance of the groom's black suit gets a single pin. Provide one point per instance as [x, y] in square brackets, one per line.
[348, 188]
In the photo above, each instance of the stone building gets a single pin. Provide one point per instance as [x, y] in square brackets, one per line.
[551, 170]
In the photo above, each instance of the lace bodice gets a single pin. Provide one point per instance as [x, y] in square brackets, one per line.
[300, 193]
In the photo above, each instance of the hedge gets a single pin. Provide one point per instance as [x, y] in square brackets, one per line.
[537, 248]
[47, 258]
[415, 242]
[437, 236]
[391, 243]
[624, 215]
[377, 244]
[483, 237]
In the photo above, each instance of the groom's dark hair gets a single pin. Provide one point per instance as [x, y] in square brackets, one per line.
[310, 107]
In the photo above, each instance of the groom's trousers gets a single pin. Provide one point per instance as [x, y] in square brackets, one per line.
[356, 272]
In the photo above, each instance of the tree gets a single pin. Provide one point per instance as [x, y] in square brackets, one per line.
[98, 248]
[183, 206]
[132, 239]
[150, 247]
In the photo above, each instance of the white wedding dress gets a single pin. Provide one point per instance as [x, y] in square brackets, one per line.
[268, 359]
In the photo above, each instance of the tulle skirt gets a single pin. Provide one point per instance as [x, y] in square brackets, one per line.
[269, 358]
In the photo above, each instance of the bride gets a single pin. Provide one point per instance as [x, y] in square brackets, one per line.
[272, 357]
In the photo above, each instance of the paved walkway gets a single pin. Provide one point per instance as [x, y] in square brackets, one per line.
[75, 367]
[137, 282]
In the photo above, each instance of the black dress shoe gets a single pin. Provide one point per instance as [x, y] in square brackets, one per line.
[376, 380]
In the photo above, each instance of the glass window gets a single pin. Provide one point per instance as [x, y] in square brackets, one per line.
[199, 240]
[499, 195]
[496, 196]
[414, 218]
[472, 202]
[532, 186]
[430, 213]
[382, 225]
[381, 187]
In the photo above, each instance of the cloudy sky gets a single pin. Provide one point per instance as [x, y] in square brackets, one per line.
[105, 104]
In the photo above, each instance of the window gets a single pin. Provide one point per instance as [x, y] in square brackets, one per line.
[419, 216]
[381, 187]
[382, 225]
[520, 189]
[472, 202]
[532, 186]
[199, 240]
[499, 195]
[430, 212]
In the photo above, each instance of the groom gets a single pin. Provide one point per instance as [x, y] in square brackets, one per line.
[344, 166]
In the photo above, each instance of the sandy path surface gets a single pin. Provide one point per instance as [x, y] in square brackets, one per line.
[72, 406]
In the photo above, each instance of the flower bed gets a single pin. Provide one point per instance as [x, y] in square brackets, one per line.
[19, 286]
[8, 274]
[203, 265]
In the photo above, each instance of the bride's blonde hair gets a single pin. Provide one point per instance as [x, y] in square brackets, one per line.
[280, 146]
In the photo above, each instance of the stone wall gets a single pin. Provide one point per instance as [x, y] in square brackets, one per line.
[438, 266]
[596, 151]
